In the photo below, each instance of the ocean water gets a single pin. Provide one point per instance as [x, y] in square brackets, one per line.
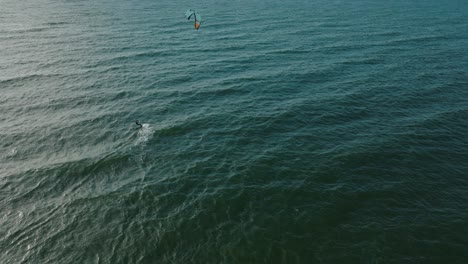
[291, 131]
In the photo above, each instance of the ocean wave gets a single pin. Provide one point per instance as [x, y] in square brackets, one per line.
[308, 132]
[18, 80]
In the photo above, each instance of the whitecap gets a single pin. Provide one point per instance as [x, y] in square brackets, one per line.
[11, 153]
[145, 133]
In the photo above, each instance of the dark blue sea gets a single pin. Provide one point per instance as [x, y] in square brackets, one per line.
[281, 131]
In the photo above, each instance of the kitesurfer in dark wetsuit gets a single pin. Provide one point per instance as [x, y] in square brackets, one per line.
[138, 124]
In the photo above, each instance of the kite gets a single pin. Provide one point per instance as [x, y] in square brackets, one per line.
[196, 17]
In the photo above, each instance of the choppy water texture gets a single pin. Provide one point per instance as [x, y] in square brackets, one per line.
[280, 132]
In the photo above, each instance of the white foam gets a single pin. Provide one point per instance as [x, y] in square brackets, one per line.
[145, 133]
[11, 153]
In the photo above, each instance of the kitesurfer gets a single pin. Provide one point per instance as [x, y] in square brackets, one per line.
[138, 124]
